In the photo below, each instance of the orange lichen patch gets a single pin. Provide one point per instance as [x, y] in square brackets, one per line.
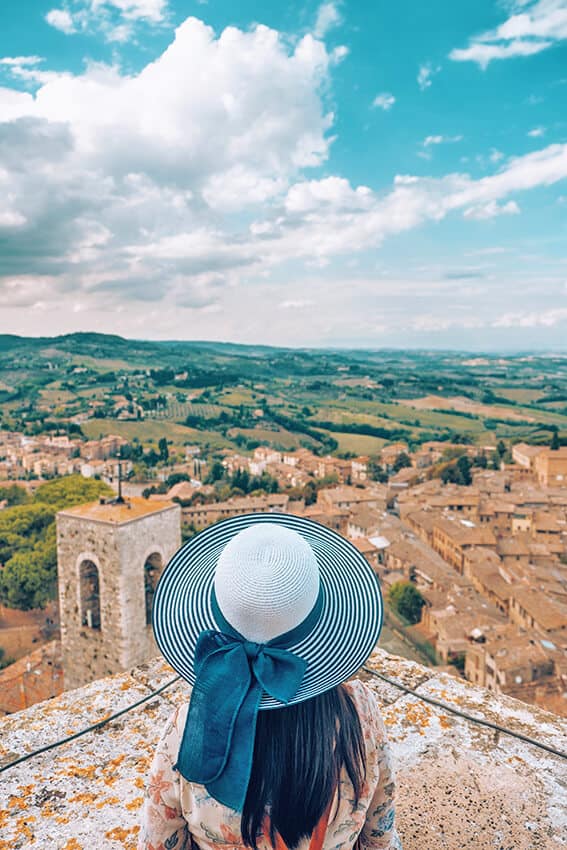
[83, 798]
[107, 801]
[143, 764]
[115, 762]
[419, 715]
[47, 811]
[4, 815]
[125, 686]
[76, 771]
[22, 828]
[17, 803]
[72, 844]
[26, 790]
[123, 835]
[445, 721]
[134, 804]
[62, 819]
[139, 782]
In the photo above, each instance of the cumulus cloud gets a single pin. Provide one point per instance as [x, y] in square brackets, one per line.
[178, 184]
[536, 132]
[112, 176]
[61, 20]
[533, 26]
[384, 101]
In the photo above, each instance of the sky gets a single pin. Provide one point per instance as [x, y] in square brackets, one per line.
[347, 173]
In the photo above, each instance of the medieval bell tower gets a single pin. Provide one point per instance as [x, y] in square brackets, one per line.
[109, 558]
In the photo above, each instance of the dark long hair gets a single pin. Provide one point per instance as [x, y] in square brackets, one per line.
[299, 752]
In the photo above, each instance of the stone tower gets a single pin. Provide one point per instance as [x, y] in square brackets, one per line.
[109, 558]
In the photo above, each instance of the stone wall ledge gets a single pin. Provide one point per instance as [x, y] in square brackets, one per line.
[460, 785]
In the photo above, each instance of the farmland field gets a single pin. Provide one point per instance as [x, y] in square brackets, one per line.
[153, 431]
[333, 400]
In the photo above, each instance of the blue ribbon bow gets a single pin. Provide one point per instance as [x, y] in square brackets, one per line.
[231, 674]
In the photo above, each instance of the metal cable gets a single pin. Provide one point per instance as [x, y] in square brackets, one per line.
[437, 703]
[466, 716]
[92, 728]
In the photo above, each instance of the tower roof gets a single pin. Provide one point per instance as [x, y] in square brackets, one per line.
[118, 513]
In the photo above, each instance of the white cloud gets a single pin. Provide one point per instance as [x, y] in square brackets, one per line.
[495, 155]
[114, 19]
[536, 132]
[331, 192]
[532, 319]
[14, 104]
[533, 26]
[19, 61]
[297, 304]
[441, 140]
[425, 73]
[384, 101]
[61, 20]
[491, 209]
[147, 10]
[328, 17]
[121, 182]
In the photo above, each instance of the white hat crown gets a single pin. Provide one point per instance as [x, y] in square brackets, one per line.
[266, 581]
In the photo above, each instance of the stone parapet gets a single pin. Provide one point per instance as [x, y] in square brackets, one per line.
[460, 786]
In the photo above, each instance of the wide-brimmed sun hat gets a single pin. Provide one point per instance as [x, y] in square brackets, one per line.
[258, 612]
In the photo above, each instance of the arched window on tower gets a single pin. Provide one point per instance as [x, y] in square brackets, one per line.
[90, 595]
[152, 572]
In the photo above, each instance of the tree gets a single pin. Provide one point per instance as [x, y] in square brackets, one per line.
[464, 476]
[555, 444]
[406, 600]
[163, 449]
[480, 461]
[215, 473]
[458, 472]
[14, 495]
[501, 448]
[28, 548]
[377, 472]
[402, 461]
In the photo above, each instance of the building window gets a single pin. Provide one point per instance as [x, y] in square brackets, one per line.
[152, 572]
[90, 595]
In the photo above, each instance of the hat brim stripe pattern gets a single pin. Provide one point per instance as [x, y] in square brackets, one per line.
[339, 644]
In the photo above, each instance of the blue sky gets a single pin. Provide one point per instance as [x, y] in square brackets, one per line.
[354, 173]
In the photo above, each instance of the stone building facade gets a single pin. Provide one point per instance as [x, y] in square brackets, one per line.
[109, 558]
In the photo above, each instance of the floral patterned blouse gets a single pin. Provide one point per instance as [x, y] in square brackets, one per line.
[177, 813]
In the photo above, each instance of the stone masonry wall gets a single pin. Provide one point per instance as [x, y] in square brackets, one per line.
[459, 786]
[119, 551]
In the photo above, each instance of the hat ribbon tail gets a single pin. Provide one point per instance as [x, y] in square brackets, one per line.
[218, 740]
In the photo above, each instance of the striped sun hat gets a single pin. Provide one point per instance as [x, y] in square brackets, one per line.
[259, 611]
[275, 598]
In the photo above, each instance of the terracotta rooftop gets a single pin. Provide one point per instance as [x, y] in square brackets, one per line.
[544, 612]
[461, 786]
[117, 513]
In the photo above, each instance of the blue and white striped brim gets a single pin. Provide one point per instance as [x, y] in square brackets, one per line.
[339, 644]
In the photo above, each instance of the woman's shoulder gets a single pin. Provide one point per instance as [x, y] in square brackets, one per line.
[367, 705]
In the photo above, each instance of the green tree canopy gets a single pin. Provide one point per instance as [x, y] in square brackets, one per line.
[28, 551]
[14, 495]
[406, 600]
[402, 461]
